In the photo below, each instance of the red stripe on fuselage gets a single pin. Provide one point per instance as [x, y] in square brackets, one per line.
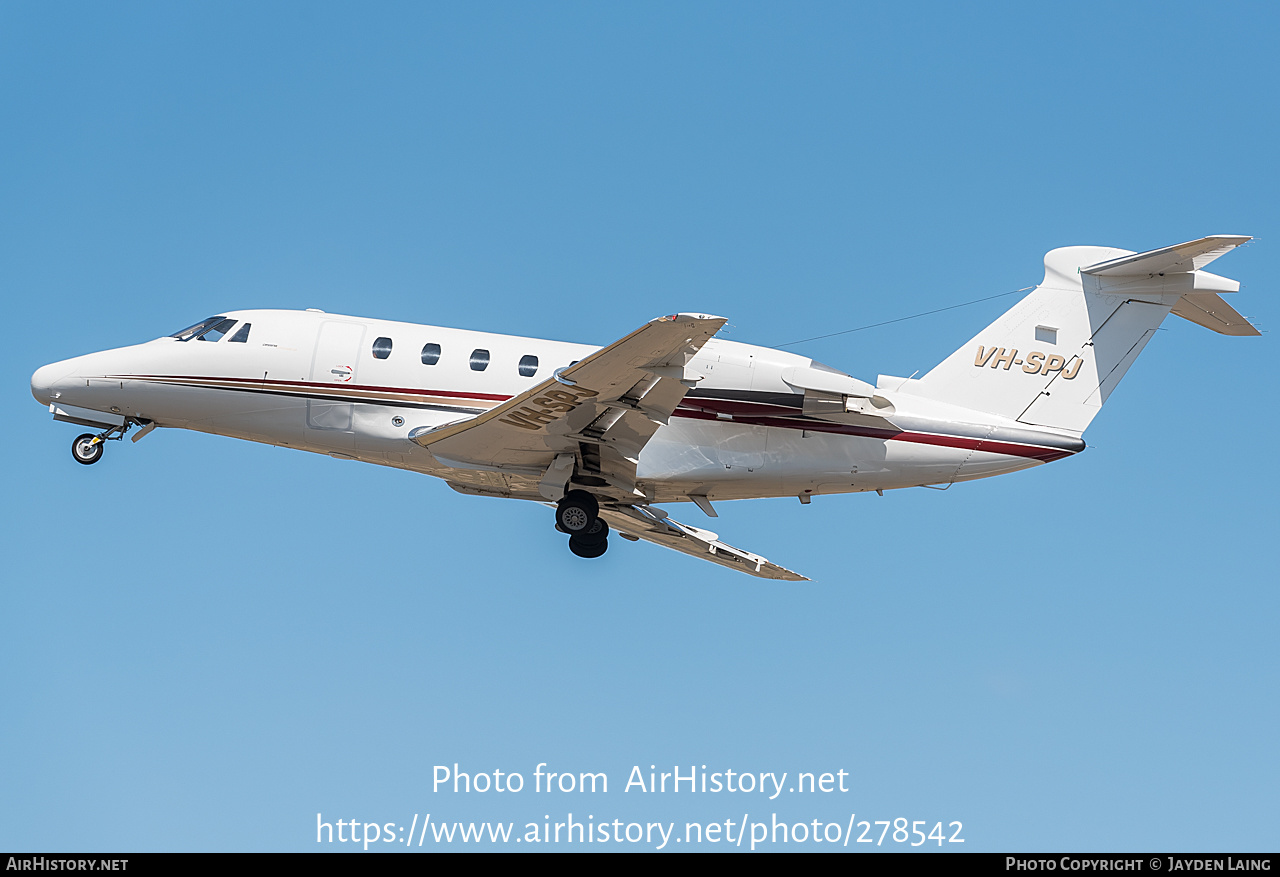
[325, 385]
[778, 420]
[1010, 449]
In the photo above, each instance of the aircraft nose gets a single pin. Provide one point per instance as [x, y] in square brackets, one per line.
[45, 380]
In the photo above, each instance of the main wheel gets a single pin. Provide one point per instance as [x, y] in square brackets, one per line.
[581, 549]
[577, 512]
[595, 534]
[85, 450]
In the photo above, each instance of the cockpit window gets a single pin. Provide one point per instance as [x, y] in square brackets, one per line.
[216, 331]
[242, 334]
[200, 328]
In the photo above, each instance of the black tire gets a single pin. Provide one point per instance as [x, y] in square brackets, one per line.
[588, 500]
[577, 512]
[595, 534]
[588, 551]
[86, 453]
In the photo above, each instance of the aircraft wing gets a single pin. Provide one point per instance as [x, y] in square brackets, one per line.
[639, 522]
[602, 410]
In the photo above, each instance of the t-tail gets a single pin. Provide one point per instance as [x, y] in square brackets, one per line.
[1055, 357]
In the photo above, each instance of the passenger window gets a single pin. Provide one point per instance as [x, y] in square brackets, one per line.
[430, 354]
[528, 366]
[242, 335]
[479, 360]
[381, 348]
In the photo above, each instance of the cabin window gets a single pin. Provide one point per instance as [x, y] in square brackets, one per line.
[218, 325]
[528, 365]
[242, 335]
[430, 354]
[479, 359]
[382, 348]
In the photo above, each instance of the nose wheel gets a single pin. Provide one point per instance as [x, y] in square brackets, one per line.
[87, 448]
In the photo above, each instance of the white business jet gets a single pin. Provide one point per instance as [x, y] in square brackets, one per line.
[666, 414]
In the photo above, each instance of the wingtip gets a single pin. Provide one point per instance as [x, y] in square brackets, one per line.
[689, 318]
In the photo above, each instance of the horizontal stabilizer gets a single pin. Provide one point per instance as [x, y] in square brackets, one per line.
[1178, 269]
[1209, 310]
[1178, 259]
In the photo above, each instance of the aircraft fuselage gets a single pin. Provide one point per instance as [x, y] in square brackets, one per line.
[355, 388]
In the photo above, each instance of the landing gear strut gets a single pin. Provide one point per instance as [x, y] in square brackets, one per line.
[88, 448]
[578, 514]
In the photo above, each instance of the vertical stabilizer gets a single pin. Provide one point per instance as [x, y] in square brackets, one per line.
[1055, 356]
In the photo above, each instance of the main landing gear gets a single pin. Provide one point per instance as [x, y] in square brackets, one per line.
[578, 514]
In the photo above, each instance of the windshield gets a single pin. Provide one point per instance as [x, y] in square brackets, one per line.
[207, 330]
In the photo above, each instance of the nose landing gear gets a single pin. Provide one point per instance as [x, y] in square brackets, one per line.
[88, 448]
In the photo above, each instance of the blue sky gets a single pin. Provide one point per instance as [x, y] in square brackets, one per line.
[208, 642]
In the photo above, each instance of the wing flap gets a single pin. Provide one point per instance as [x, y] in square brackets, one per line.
[642, 523]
